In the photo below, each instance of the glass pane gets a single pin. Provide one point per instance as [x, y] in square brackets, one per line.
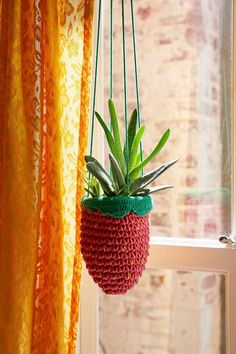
[184, 56]
[168, 312]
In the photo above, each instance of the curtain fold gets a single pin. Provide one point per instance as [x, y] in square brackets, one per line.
[45, 76]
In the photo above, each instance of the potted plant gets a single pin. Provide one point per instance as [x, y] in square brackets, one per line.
[115, 213]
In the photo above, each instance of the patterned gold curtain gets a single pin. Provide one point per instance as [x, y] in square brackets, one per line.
[45, 73]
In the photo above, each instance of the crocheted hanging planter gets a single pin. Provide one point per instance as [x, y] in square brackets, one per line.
[115, 240]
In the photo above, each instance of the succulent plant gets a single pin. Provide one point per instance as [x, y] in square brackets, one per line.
[125, 179]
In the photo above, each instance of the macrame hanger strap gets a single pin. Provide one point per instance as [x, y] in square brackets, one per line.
[125, 92]
[111, 56]
[95, 85]
[111, 48]
[111, 76]
[95, 76]
[111, 59]
[136, 74]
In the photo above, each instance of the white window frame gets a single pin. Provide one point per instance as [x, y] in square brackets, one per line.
[174, 253]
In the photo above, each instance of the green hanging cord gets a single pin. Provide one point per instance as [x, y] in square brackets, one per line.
[95, 83]
[111, 58]
[136, 75]
[111, 48]
[111, 55]
[95, 76]
[125, 93]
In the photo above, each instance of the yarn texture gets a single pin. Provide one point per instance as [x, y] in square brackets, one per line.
[119, 206]
[115, 250]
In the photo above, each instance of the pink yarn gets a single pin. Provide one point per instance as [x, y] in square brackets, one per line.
[115, 250]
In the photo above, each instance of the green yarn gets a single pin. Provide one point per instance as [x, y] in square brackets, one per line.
[119, 207]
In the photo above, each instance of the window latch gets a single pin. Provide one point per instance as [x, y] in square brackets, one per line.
[228, 240]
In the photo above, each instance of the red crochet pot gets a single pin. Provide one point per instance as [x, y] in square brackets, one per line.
[115, 249]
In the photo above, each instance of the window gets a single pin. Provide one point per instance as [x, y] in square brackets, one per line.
[186, 295]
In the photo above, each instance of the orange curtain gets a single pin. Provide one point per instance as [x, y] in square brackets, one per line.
[45, 74]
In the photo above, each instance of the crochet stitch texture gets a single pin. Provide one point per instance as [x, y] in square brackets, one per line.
[115, 250]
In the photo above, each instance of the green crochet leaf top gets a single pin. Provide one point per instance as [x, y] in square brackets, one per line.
[119, 207]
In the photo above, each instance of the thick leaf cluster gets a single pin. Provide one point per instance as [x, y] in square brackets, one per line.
[126, 163]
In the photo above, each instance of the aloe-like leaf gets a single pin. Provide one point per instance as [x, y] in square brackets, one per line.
[97, 188]
[138, 158]
[115, 124]
[83, 174]
[147, 191]
[90, 192]
[92, 159]
[93, 180]
[116, 134]
[132, 128]
[94, 189]
[85, 180]
[93, 186]
[108, 134]
[131, 131]
[135, 147]
[97, 171]
[104, 180]
[143, 181]
[89, 158]
[112, 144]
[116, 173]
[136, 171]
[121, 191]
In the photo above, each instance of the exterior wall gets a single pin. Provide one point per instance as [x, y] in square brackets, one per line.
[179, 66]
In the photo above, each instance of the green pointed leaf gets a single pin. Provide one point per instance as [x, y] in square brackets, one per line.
[85, 180]
[116, 173]
[112, 144]
[132, 129]
[92, 159]
[97, 188]
[108, 134]
[116, 134]
[121, 191]
[104, 180]
[94, 186]
[93, 180]
[90, 192]
[148, 191]
[135, 173]
[135, 147]
[138, 158]
[143, 181]
[94, 189]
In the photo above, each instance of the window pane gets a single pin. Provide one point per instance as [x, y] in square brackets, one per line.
[184, 56]
[168, 312]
